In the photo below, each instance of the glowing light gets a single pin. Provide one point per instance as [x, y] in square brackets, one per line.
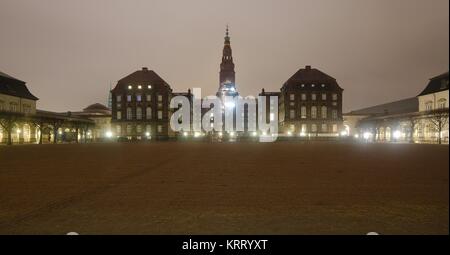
[149, 86]
[197, 134]
[89, 133]
[185, 133]
[254, 134]
[229, 104]
[367, 135]
[109, 134]
[303, 134]
[232, 134]
[147, 134]
[60, 132]
[264, 133]
[397, 134]
[130, 87]
[139, 87]
[220, 134]
[289, 133]
[18, 131]
[356, 136]
[344, 133]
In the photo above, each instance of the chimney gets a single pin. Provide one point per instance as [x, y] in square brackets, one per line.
[308, 67]
[144, 69]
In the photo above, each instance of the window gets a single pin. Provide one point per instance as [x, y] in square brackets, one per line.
[148, 113]
[139, 129]
[313, 112]
[442, 103]
[119, 105]
[119, 115]
[149, 98]
[160, 115]
[304, 128]
[138, 98]
[334, 114]
[429, 106]
[129, 129]
[324, 128]
[272, 117]
[291, 96]
[26, 108]
[292, 114]
[292, 104]
[159, 128]
[334, 128]
[314, 128]
[303, 112]
[119, 98]
[160, 98]
[13, 107]
[323, 112]
[139, 113]
[128, 98]
[313, 97]
[324, 96]
[334, 103]
[303, 96]
[118, 129]
[334, 96]
[129, 113]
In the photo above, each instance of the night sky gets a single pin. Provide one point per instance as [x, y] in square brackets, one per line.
[70, 52]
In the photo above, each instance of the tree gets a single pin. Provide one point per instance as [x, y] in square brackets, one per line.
[439, 119]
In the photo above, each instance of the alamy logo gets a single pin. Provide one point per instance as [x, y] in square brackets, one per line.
[228, 114]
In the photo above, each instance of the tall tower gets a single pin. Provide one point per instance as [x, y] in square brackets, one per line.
[227, 86]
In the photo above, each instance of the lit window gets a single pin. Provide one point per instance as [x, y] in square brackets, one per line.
[429, 106]
[119, 115]
[313, 97]
[314, 128]
[313, 112]
[292, 104]
[304, 128]
[129, 129]
[149, 98]
[119, 98]
[139, 128]
[323, 112]
[160, 98]
[291, 96]
[138, 98]
[128, 98]
[303, 96]
[118, 129]
[335, 128]
[139, 113]
[118, 105]
[159, 128]
[129, 113]
[272, 117]
[335, 96]
[303, 112]
[160, 115]
[442, 103]
[324, 96]
[324, 127]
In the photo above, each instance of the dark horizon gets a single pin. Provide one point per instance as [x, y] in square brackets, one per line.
[71, 52]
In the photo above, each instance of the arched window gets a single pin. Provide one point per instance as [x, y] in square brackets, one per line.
[313, 112]
[129, 113]
[442, 103]
[429, 106]
[303, 112]
[139, 113]
[323, 112]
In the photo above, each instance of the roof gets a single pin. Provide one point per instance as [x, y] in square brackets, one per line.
[143, 76]
[14, 87]
[398, 107]
[96, 107]
[310, 75]
[436, 84]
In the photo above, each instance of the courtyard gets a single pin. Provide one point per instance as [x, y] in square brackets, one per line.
[224, 188]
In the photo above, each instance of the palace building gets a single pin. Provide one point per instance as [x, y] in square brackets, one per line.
[310, 105]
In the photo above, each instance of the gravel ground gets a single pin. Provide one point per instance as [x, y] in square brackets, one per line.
[224, 188]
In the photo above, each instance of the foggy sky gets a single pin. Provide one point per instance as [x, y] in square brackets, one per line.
[70, 52]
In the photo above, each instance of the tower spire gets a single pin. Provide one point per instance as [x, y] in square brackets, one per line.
[227, 79]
